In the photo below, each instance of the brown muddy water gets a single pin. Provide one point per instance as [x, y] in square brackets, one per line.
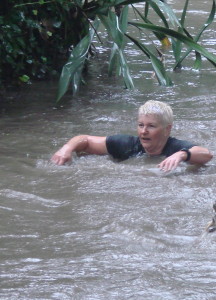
[99, 229]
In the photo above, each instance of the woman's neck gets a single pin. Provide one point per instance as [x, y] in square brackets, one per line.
[157, 151]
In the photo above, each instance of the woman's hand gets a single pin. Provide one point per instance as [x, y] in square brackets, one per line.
[80, 143]
[199, 155]
[172, 162]
[62, 156]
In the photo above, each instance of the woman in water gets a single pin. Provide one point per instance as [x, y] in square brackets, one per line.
[155, 120]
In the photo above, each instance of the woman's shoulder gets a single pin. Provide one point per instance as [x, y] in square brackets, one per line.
[172, 141]
[122, 138]
[173, 145]
[123, 146]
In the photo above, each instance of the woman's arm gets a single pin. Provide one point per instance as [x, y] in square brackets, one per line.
[198, 155]
[81, 143]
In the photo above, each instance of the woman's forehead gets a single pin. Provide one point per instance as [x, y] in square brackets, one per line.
[150, 118]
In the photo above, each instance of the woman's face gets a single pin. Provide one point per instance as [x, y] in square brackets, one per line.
[152, 133]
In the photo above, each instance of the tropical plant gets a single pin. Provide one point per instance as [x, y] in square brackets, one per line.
[43, 37]
[117, 25]
[36, 36]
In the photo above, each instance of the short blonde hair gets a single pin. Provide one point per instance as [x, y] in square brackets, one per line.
[162, 110]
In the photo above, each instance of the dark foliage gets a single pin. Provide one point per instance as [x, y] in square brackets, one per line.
[35, 37]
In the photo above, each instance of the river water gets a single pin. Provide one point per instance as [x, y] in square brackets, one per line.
[98, 229]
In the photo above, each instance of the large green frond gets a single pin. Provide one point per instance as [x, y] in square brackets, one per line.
[159, 36]
[72, 70]
[158, 66]
[186, 40]
[176, 44]
[116, 28]
[209, 21]
[168, 11]
[161, 16]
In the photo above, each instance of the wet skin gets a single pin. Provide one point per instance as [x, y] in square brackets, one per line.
[152, 133]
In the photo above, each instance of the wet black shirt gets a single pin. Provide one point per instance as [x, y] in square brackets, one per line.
[122, 146]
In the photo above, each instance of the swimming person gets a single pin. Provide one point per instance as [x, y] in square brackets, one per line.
[155, 120]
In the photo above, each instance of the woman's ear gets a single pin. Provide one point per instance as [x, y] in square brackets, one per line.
[168, 129]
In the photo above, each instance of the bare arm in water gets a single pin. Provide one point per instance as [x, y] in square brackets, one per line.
[97, 145]
[199, 156]
[81, 143]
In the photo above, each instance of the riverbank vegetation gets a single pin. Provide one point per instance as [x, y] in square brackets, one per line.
[40, 39]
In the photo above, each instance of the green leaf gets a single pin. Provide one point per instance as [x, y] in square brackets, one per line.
[44, 59]
[159, 36]
[146, 10]
[176, 44]
[113, 60]
[35, 12]
[124, 19]
[116, 28]
[208, 22]
[168, 10]
[184, 13]
[125, 71]
[24, 78]
[186, 40]
[159, 12]
[197, 37]
[198, 61]
[72, 70]
[127, 2]
[49, 33]
[158, 66]
[103, 7]
[78, 2]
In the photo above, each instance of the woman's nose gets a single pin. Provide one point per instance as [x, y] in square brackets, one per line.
[144, 129]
